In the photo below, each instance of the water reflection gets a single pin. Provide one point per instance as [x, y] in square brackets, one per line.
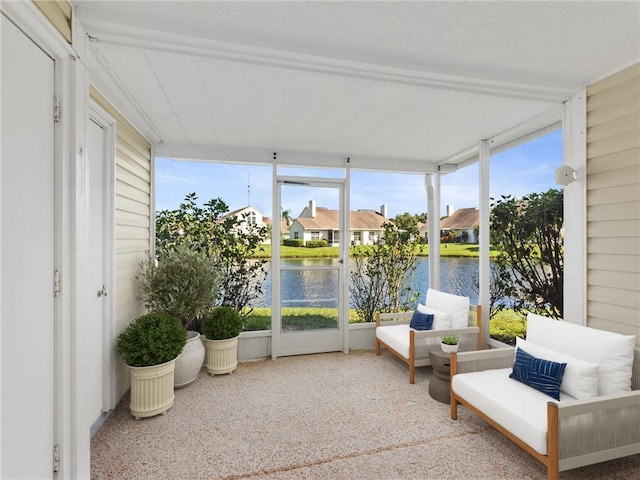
[310, 288]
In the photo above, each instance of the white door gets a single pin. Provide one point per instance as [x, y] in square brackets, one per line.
[27, 257]
[309, 313]
[96, 326]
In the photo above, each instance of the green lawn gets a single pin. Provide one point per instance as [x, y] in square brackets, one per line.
[446, 250]
[505, 326]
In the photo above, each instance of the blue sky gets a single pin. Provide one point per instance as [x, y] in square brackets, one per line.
[518, 171]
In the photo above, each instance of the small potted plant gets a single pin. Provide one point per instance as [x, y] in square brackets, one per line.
[149, 346]
[221, 327]
[449, 343]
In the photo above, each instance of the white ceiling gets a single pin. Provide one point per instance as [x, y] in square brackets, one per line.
[392, 85]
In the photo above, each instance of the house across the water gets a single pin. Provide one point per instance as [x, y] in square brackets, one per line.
[321, 223]
[252, 216]
[464, 223]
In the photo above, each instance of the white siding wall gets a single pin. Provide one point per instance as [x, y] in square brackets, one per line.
[613, 203]
[133, 220]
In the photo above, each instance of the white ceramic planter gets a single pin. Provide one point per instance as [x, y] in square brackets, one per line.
[151, 389]
[449, 348]
[189, 362]
[222, 356]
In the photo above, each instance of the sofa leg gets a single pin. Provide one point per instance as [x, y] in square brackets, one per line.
[377, 347]
[412, 373]
[454, 408]
[553, 447]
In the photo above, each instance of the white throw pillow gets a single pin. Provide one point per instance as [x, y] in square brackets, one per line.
[456, 306]
[580, 379]
[441, 320]
[611, 351]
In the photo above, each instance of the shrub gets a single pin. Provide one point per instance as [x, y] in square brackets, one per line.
[231, 241]
[151, 339]
[293, 242]
[221, 323]
[184, 283]
[527, 233]
[382, 274]
[316, 244]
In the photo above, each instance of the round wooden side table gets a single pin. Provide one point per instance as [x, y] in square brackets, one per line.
[439, 385]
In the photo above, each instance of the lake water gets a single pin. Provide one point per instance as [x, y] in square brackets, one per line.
[457, 276]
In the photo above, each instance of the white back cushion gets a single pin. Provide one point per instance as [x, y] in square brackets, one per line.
[580, 379]
[611, 351]
[441, 320]
[457, 307]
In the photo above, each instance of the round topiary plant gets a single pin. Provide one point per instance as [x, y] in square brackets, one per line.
[151, 339]
[221, 323]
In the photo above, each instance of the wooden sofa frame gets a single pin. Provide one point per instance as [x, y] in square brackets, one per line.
[469, 337]
[610, 433]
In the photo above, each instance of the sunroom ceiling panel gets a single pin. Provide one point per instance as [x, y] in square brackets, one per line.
[184, 87]
[546, 43]
[266, 104]
[393, 82]
[302, 93]
[132, 69]
[224, 100]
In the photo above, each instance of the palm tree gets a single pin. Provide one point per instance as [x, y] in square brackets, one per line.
[286, 216]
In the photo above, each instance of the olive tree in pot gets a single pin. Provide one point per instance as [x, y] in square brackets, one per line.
[185, 283]
[221, 327]
[149, 346]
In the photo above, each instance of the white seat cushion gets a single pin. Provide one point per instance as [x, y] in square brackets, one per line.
[520, 409]
[456, 306]
[396, 337]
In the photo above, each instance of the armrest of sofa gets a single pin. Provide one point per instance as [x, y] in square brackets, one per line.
[478, 360]
[597, 429]
[395, 318]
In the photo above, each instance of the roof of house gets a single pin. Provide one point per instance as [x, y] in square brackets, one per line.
[464, 218]
[328, 219]
[239, 210]
[284, 226]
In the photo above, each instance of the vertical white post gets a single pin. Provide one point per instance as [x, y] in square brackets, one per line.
[344, 255]
[275, 262]
[433, 220]
[574, 125]
[1, 319]
[484, 265]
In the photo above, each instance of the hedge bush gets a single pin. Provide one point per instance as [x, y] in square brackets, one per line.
[316, 244]
[293, 242]
[221, 323]
[151, 339]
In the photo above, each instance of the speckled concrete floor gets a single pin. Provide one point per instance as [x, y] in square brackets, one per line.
[329, 416]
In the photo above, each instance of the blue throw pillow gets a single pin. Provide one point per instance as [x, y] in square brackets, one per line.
[543, 375]
[421, 321]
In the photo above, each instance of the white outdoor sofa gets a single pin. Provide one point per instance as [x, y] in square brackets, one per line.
[412, 346]
[603, 423]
